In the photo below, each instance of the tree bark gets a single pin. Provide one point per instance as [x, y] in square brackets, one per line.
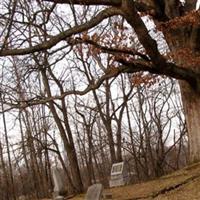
[186, 38]
[191, 105]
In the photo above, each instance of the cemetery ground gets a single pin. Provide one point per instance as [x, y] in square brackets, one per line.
[180, 185]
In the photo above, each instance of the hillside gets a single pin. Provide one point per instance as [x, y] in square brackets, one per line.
[181, 185]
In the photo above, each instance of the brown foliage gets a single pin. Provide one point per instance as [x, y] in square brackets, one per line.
[186, 57]
[192, 18]
[145, 79]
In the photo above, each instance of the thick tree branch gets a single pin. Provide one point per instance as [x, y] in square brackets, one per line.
[88, 2]
[131, 15]
[169, 69]
[152, 7]
[126, 51]
[111, 73]
[63, 35]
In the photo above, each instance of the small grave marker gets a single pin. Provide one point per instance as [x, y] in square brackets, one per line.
[59, 198]
[94, 192]
[107, 195]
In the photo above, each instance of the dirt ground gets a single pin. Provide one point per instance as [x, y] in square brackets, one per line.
[181, 185]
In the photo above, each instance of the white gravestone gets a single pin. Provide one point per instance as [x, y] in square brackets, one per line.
[59, 187]
[94, 192]
[119, 175]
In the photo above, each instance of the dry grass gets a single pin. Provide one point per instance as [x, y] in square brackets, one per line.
[189, 188]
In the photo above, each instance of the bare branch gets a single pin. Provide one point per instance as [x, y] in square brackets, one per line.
[63, 35]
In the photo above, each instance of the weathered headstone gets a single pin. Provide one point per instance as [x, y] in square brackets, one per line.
[22, 197]
[59, 186]
[107, 195]
[59, 198]
[119, 175]
[94, 192]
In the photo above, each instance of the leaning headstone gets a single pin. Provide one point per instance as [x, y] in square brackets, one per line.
[119, 175]
[59, 187]
[94, 192]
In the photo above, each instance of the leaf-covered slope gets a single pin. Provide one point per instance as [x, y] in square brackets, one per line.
[181, 185]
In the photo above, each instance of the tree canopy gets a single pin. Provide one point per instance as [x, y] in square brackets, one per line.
[54, 51]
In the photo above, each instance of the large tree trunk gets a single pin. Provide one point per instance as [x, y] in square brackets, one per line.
[184, 43]
[191, 104]
[181, 28]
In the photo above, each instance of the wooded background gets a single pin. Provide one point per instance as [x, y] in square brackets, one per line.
[85, 84]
